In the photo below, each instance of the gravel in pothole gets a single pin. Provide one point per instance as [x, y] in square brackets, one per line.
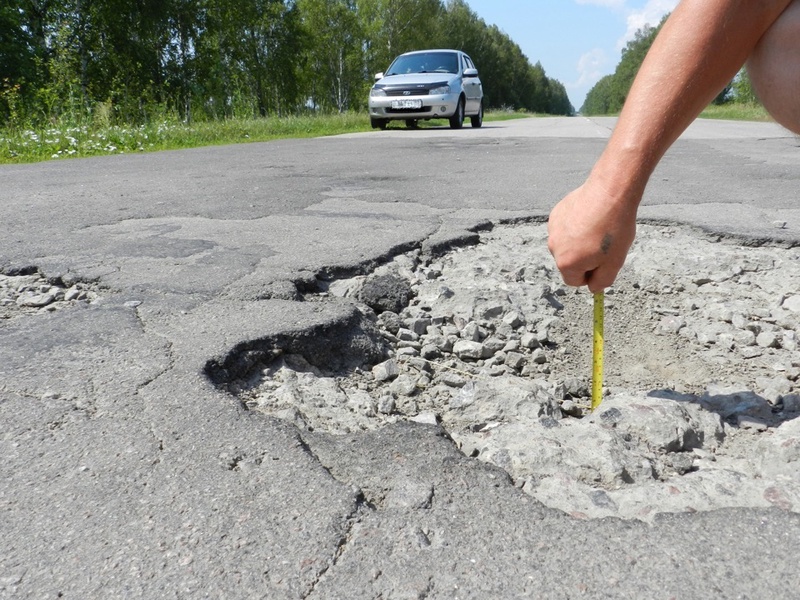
[701, 384]
[33, 293]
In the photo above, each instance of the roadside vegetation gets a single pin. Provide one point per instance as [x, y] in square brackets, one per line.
[106, 77]
[737, 101]
[88, 78]
[736, 111]
[170, 133]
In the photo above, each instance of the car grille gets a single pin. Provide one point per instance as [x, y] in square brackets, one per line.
[412, 92]
[400, 111]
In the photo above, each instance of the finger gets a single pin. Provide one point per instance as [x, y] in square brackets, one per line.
[601, 278]
[574, 277]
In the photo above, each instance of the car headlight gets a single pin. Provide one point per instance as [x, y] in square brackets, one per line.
[440, 91]
[377, 92]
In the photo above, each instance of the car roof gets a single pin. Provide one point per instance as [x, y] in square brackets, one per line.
[432, 50]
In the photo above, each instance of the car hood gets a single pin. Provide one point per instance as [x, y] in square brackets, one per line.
[416, 78]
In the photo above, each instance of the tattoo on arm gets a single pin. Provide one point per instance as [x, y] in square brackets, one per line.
[605, 246]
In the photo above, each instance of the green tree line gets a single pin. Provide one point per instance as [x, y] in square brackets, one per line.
[128, 61]
[608, 95]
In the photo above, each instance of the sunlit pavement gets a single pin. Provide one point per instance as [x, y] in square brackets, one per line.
[127, 473]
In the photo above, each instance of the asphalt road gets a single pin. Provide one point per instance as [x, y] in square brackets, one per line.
[126, 473]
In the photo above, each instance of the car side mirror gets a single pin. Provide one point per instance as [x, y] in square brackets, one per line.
[470, 72]
[378, 76]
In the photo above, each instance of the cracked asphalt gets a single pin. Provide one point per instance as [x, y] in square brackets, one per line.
[126, 473]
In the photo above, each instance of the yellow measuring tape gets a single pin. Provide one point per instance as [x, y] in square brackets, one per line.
[597, 350]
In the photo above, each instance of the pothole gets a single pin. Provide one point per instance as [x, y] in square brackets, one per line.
[26, 292]
[702, 369]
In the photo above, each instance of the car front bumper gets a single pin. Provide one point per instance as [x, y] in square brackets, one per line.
[433, 107]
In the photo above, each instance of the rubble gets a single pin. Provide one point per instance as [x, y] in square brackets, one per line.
[31, 293]
[701, 376]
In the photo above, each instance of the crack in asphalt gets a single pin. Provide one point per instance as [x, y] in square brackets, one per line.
[168, 347]
[352, 520]
[360, 505]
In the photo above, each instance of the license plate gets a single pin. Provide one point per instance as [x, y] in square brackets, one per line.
[406, 103]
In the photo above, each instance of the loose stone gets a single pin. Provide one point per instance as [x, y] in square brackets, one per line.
[750, 352]
[407, 349]
[571, 408]
[35, 300]
[514, 319]
[72, 294]
[406, 335]
[468, 350]
[420, 364]
[515, 360]
[403, 386]
[768, 339]
[493, 310]
[544, 329]
[426, 418]
[386, 405]
[538, 356]
[493, 345]
[744, 337]
[792, 303]
[386, 370]
[529, 340]
[418, 326]
[472, 332]
[452, 380]
[430, 352]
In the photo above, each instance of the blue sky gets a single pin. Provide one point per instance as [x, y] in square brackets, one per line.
[577, 41]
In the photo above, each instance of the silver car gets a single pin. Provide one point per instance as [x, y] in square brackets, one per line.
[427, 84]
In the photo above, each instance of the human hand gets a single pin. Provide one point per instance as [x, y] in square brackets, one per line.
[590, 234]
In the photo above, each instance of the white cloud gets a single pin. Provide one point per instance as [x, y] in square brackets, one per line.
[595, 63]
[592, 65]
[650, 14]
[606, 3]
[636, 18]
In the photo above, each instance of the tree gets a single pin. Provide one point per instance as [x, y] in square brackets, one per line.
[509, 80]
[559, 100]
[335, 52]
[742, 88]
[597, 101]
[462, 29]
[609, 94]
[184, 25]
[392, 27]
[18, 59]
[16, 45]
[74, 60]
[255, 45]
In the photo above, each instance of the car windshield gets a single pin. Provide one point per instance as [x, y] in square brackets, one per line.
[425, 62]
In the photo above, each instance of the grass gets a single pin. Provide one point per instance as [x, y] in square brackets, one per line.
[736, 112]
[32, 145]
[732, 111]
[25, 145]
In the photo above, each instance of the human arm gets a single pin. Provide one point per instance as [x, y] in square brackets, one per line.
[698, 50]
